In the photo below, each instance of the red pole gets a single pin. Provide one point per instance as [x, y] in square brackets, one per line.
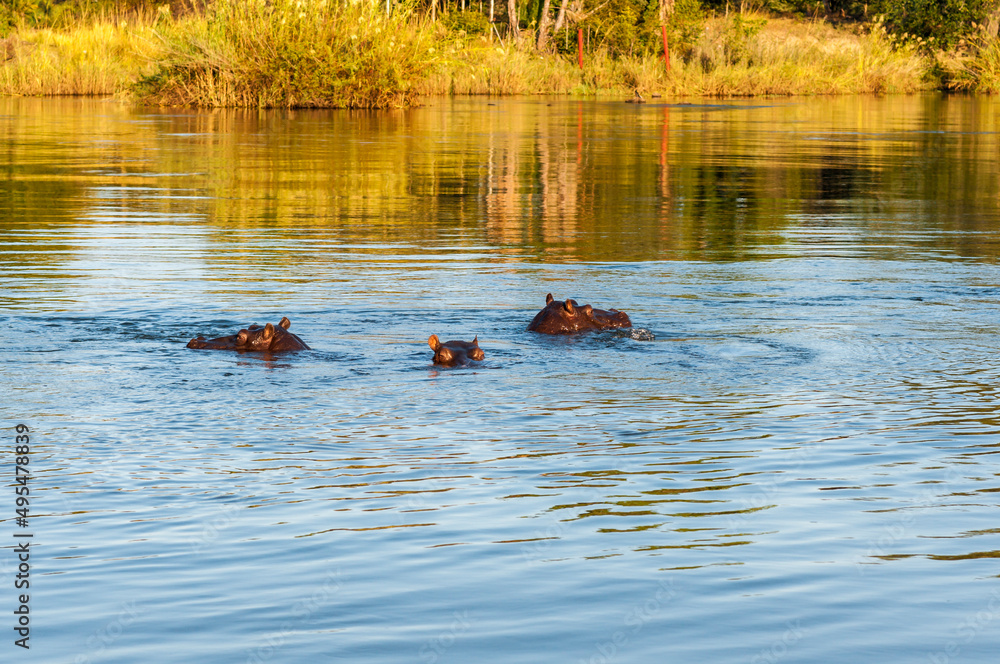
[579, 46]
[666, 50]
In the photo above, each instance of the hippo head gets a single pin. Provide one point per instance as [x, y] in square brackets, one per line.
[452, 353]
[567, 317]
[256, 338]
[268, 339]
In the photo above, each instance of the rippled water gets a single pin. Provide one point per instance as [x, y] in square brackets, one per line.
[790, 459]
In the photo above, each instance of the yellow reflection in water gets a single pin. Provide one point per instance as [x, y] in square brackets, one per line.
[554, 178]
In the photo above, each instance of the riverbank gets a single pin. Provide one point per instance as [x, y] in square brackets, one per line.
[783, 57]
[355, 56]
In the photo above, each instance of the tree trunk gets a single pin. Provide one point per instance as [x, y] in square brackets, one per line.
[561, 17]
[993, 22]
[512, 17]
[543, 25]
[666, 11]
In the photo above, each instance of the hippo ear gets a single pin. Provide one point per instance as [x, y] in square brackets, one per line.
[241, 338]
[285, 323]
[434, 342]
[568, 306]
[475, 342]
[548, 299]
[268, 332]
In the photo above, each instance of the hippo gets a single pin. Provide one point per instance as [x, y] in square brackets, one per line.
[452, 353]
[266, 339]
[568, 317]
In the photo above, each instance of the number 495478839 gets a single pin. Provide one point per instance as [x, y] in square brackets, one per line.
[22, 450]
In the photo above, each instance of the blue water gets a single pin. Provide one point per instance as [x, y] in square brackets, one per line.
[791, 457]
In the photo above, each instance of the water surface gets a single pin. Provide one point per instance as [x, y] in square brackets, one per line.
[790, 459]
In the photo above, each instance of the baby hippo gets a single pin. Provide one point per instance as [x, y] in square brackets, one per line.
[567, 317]
[455, 353]
[266, 339]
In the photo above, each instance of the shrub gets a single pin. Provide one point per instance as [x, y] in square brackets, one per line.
[939, 22]
[292, 53]
[470, 22]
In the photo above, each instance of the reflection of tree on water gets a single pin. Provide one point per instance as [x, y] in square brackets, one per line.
[543, 211]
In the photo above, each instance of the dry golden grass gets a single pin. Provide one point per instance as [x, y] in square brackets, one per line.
[284, 53]
[292, 53]
[482, 67]
[98, 59]
[975, 67]
[783, 57]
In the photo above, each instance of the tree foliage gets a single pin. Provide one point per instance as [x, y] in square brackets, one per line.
[941, 22]
[622, 27]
